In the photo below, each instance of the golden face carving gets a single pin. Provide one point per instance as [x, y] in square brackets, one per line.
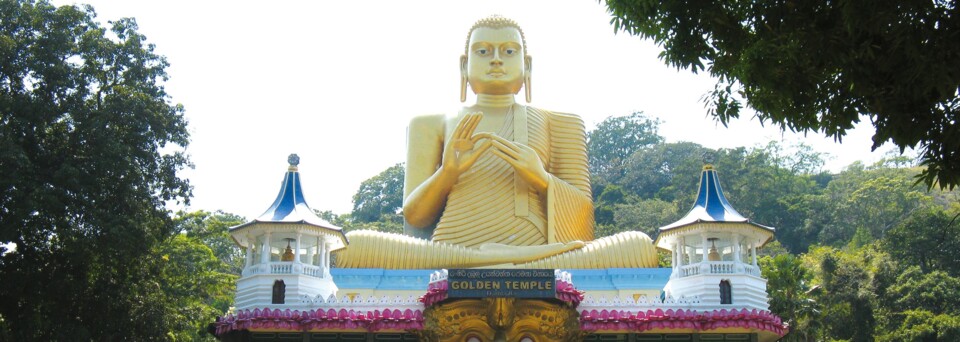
[495, 63]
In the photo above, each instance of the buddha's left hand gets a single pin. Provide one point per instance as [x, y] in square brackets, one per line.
[524, 160]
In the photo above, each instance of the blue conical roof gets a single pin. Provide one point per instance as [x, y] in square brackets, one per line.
[290, 205]
[711, 205]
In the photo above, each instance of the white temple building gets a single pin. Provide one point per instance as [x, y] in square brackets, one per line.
[287, 291]
[714, 251]
[287, 250]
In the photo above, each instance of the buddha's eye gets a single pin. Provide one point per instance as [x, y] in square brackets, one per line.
[482, 52]
[510, 51]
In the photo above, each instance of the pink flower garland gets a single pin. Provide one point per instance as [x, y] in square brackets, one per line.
[330, 319]
[680, 319]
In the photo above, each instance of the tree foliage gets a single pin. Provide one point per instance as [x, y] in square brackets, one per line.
[929, 239]
[617, 138]
[380, 195]
[819, 66]
[212, 230]
[83, 181]
[788, 286]
[195, 284]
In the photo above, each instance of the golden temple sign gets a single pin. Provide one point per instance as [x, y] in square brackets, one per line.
[503, 283]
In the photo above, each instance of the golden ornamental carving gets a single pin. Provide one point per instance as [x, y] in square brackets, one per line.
[501, 319]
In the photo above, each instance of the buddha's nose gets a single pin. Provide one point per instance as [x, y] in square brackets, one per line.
[496, 61]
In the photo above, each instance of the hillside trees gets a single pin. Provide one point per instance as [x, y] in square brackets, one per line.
[822, 66]
[83, 182]
[378, 201]
[615, 139]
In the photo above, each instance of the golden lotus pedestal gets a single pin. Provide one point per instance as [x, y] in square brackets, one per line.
[500, 319]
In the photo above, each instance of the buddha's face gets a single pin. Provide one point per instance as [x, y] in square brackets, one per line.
[495, 62]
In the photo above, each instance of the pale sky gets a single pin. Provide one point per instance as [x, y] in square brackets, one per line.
[337, 81]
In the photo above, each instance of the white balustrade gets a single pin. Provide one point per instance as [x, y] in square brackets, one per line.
[721, 267]
[284, 267]
[689, 270]
[717, 267]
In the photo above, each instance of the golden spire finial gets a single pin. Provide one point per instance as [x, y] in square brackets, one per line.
[708, 159]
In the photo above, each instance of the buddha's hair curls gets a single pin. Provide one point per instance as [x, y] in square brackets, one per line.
[495, 21]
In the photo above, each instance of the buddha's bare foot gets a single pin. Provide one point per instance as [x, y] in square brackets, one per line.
[500, 253]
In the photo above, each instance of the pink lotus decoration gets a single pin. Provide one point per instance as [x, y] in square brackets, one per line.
[680, 319]
[296, 320]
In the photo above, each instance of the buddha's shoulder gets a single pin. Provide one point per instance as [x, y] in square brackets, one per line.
[428, 122]
[558, 117]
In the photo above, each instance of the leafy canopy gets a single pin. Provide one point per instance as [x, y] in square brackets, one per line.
[820, 66]
[83, 182]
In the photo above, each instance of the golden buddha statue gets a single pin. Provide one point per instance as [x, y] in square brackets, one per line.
[500, 184]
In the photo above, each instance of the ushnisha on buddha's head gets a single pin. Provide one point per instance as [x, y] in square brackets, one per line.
[495, 60]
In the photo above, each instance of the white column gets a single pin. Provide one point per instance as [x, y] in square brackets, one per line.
[675, 261]
[321, 252]
[265, 256]
[753, 252]
[736, 247]
[249, 257]
[310, 253]
[296, 252]
[681, 250]
[706, 248]
[326, 257]
[704, 267]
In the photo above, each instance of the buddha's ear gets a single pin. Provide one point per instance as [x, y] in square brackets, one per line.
[527, 76]
[463, 78]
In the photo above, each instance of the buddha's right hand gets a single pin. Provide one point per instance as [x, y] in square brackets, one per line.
[460, 151]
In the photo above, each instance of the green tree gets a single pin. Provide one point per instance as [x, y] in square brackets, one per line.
[645, 215]
[667, 172]
[83, 182]
[197, 285]
[615, 139]
[928, 239]
[922, 326]
[380, 195]
[871, 200]
[820, 66]
[788, 286]
[212, 230]
[846, 291]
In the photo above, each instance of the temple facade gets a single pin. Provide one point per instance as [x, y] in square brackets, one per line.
[712, 291]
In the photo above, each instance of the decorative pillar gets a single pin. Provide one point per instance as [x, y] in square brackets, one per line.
[265, 256]
[251, 245]
[297, 266]
[753, 251]
[705, 247]
[704, 267]
[322, 251]
[736, 247]
[296, 252]
[681, 249]
[326, 258]
[675, 262]
[310, 253]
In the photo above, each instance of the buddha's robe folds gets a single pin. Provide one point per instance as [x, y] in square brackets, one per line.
[491, 204]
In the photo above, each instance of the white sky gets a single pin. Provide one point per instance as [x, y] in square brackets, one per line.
[337, 81]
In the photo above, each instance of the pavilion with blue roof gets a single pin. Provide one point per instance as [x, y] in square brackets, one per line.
[714, 250]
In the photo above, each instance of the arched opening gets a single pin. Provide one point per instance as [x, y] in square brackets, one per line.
[279, 291]
[726, 292]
